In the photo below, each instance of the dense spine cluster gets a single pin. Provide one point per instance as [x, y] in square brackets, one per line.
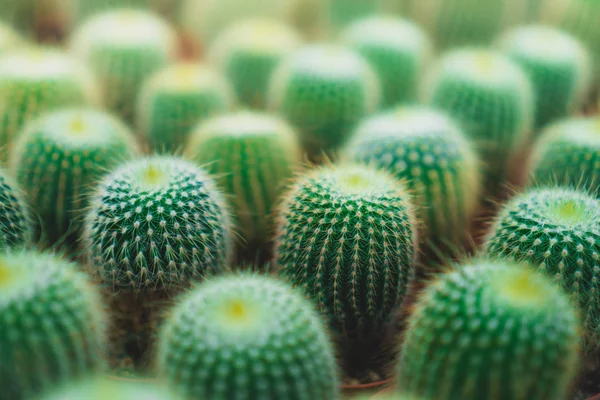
[490, 330]
[15, 215]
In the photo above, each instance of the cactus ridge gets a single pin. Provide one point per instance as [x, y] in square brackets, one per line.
[15, 215]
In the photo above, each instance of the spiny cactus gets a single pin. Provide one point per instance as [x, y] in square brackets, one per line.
[490, 330]
[398, 51]
[59, 158]
[491, 98]
[248, 53]
[324, 90]
[558, 65]
[52, 324]
[35, 80]
[346, 235]
[124, 47]
[247, 337]
[176, 98]
[426, 149]
[253, 155]
[556, 230]
[15, 216]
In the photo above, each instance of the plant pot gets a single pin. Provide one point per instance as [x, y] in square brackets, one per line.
[596, 397]
[366, 388]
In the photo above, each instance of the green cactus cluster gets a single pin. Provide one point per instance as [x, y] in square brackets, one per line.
[490, 330]
[558, 65]
[249, 51]
[427, 150]
[176, 98]
[52, 324]
[15, 215]
[346, 235]
[253, 155]
[248, 337]
[556, 230]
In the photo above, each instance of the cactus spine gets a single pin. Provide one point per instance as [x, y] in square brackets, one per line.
[15, 215]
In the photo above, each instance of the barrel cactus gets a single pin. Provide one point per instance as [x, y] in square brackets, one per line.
[397, 50]
[253, 155]
[490, 330]
[52, 323]
[558, 65]
[248, 53]
[556, 230]
[59, 158]
[15, 215]
[248, 337]
[176, 98]
[426, 149]
[324, 90]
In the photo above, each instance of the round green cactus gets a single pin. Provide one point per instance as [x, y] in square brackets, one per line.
[253, 155]
[346, 235]
[556, 230]
[397, 50]
[176, 98]
[52, 324]
[36, 80]
[248, 53]
[558, 66]
[249, 337]
[490, 330]
[124, 47]
[324, 90]
[426, 149]
[342, 13]
[15, 216]
[60, 157]
[491, 98]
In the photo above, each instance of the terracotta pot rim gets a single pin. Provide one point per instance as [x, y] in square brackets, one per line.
[596, 397]
[366, 385]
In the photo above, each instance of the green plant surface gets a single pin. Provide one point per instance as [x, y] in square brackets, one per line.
[15, 214]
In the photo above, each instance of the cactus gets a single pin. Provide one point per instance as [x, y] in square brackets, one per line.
[36, 80]
[346, 235]
[253, 155]
[491, 98]
[124, 47]
[324, 90]
[59, 158]
[248, 53]
[397, 50]
[52, 324]
[556, 231]
[176, 98]
[426, 149]
[490, 330]
[558, 65]
[247, 337]
[15, 215]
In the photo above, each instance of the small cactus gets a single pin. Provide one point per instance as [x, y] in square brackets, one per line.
[558, 65]
[124, 47]
[59, 158]
[342, 13]
[52, 324]
[426, 149]
[556, 230]
[176, 98]
[248, 53]
[253, 155]
[490, 330]
[324, 90]
[15, 215]
[397, 49]
[247, 337]
[346, 235]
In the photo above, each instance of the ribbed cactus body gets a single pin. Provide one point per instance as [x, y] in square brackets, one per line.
[34, 81]
[491, 98]
[346, 236]
[557, 64]
[426, 149]
[247, 337]
[124, 47]
[324, 90]
[253, 155]
[248, 53]
[557, 231]
[177, 98]
[15, 215]
[59, 159]
[52, 324]
[490, 330]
